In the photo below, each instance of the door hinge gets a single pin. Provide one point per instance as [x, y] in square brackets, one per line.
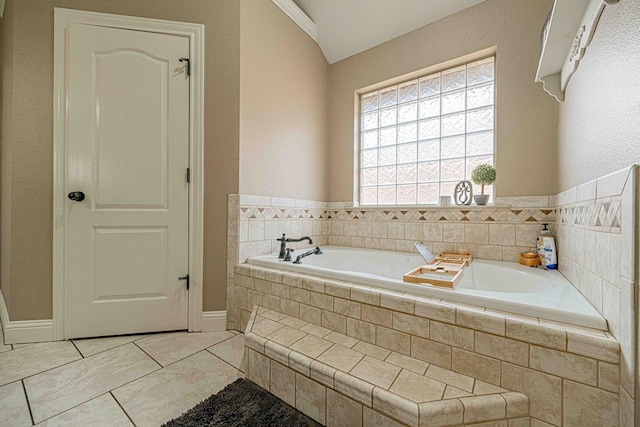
[188, 65]
[185, 278]
[188, 174]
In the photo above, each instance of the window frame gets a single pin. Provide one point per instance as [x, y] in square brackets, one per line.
[417, 75]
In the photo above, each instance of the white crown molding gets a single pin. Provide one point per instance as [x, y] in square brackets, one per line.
[298, 16]
[214, 321]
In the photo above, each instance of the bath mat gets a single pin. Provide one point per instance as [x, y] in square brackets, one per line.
[240, 404]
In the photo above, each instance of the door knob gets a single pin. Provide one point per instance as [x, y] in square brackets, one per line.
[76, 196]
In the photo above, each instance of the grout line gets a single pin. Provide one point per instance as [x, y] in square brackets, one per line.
[237, 369]
[123, 410]
[77, 349]
[141, 349]
[24, 389]
[196, 352]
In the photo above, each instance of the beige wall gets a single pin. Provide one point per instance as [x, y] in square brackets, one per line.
[6, 92]
[283, 106]
[526, 116]
[598, 124]
[27, 124]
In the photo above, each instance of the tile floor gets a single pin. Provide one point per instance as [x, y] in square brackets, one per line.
[141, 380]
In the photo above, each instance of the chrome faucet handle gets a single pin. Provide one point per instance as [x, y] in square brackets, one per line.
[287, 257]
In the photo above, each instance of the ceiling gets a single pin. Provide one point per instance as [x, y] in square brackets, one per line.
[347, 27]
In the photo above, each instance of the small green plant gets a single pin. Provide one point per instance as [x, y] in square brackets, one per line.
[483, 174]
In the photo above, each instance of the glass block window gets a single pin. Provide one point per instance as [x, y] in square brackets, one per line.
[418, 139]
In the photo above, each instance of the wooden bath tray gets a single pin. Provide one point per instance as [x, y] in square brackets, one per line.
[463, 258]
[438, 273]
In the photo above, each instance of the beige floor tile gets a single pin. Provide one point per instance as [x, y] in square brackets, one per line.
[91, 346]
[17, 346]
[376, 372]
[311, 346]
[171, 347]
[102, 411]
[3, 347]
[36, 358]
[53, 392]
[417, 388]
[167, 393]
[231, 351]
[13, 406]
[341, 358]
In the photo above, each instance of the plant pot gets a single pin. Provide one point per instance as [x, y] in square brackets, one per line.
[481, 199]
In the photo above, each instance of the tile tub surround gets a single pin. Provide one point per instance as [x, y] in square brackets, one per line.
[514, 352]
[492, 232]
[332, 379]
[596, 238]
[255, 222]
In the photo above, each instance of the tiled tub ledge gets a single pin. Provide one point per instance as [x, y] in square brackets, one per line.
[334, 379]
[563, 369]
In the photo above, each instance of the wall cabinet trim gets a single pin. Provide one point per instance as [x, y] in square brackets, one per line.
[565, 38]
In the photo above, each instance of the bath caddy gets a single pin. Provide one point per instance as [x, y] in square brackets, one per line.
[445, 271]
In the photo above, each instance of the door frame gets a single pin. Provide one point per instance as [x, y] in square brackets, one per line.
[195, 32]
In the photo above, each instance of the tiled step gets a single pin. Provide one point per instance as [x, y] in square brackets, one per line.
[305, 364]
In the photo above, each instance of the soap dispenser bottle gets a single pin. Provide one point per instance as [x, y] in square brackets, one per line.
[547, 249]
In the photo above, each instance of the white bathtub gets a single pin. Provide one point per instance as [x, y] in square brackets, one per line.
[498, 285]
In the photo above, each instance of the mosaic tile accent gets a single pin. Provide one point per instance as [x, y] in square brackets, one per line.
[429, 215]
[267, 213]
[606, 213]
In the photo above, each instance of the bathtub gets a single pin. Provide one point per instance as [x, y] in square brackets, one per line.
[497, 285]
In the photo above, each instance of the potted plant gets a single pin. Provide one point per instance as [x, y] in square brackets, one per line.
[483, 174]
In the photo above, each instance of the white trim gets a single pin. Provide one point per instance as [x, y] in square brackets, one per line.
[4, 313]
[24, 331]
[195, 32]
[566, 36]
[214, 321]
[28, 331]
[299, 17]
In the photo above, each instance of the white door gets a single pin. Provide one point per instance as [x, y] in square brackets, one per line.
[127, 151]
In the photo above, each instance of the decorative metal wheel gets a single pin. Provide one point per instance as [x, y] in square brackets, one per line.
[463, 193]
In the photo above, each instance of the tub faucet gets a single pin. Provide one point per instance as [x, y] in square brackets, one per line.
[283, 244]
[316, 251]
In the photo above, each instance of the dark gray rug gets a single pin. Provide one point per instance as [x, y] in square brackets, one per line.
[242, 403]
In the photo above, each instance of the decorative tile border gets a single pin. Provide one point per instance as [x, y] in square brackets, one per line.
[457, 214]
[601, 213]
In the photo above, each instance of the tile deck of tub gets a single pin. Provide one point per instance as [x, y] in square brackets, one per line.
[554, 364]
[407, 390]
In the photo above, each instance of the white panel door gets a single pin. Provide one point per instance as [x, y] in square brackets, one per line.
[127, 151]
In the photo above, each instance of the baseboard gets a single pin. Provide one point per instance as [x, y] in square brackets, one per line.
[4, 314]
[24, 331]
[214, 321]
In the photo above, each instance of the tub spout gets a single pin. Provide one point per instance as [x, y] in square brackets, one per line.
[425, 252]
[316, 251]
